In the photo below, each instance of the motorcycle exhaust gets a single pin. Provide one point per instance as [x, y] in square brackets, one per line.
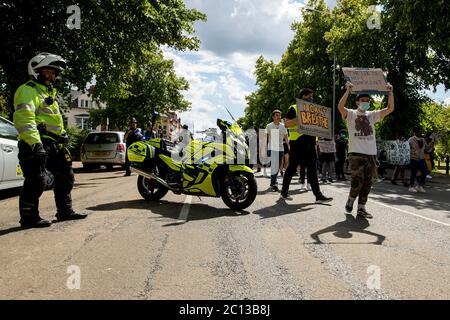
[151, 176]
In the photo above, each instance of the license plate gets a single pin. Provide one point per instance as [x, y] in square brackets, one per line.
[101, 154]
[19, 172]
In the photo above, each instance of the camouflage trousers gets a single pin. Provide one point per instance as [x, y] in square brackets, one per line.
[363, 170]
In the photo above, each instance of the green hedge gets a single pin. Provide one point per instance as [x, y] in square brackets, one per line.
[77, 137]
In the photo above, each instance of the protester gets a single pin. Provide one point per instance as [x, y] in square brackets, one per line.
[417, 145]
[341, 151]
[362, 145]
[302, 151]
[327, 159]
[276, 134]
[132, 135]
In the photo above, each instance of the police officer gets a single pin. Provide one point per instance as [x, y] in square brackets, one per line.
[302, 151]
[44, 160]
[132, 135]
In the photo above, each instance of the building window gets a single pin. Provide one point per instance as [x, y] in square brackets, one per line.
[82, 122]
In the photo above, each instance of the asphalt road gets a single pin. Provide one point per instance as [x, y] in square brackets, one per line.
[190, 248]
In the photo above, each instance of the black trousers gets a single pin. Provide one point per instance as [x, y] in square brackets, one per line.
[340, 167]
[40, 173]
[303, 152]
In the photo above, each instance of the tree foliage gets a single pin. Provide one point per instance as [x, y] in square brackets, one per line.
[115, 38]
[411, 45]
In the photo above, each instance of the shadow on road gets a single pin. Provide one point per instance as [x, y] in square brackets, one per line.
[171, 210]
[281, 207]
[343, 230]
[10, 193]
[11, 230]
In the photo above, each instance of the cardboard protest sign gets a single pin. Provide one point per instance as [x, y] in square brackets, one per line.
[313, 119]
[366, 80]
[398, 152]
[327, 146]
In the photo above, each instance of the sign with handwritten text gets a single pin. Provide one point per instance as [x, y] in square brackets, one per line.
[313, 119]
[398, 152]
[366, 80]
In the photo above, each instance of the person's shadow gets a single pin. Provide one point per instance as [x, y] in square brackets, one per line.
[343, 230]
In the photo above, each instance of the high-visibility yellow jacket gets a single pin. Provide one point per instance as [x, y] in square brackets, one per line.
[293, 131]
[31, 109]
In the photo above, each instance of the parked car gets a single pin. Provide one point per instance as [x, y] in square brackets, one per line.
[10, 173]
[103, 148]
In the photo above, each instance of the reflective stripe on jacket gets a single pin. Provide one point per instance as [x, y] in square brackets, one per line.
[31, 109]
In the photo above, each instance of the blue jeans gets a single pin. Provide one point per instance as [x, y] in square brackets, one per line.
[416, 165]
[275, 160]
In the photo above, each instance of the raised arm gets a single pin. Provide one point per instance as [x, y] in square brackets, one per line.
[343, 101]
[390, 106]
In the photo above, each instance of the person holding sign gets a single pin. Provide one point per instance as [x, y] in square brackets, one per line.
[362, 144]
[302, 151]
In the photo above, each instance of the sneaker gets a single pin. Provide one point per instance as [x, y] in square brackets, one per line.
[285, 196]
[308, 187]
[420, 189]
[274, 188]
[363, 213]
[349, 206]
[322, 199]
[412, 189]
[70, 216]
[302, 186]
[429, 177]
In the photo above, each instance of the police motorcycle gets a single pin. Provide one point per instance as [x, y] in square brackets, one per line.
[210, 169]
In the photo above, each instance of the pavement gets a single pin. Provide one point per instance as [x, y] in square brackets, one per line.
[185, 247]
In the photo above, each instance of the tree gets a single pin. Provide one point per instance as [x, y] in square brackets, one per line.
[412, 46]
[409, 45]
[149, 85]
[114, 36]
[435, 118]
[306, 63]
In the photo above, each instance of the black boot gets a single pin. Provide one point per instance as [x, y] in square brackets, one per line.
[35, 222]
[70, 216]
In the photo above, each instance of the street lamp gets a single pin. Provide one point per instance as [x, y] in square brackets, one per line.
[307, 8]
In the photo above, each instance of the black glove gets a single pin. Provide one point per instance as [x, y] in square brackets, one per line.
[38, 150]
[64, 139]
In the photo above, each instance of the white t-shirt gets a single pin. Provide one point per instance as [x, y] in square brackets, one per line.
[361, 128]
[277, 132]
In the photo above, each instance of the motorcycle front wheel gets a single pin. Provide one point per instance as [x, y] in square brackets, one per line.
[239, 190]
[150, 189]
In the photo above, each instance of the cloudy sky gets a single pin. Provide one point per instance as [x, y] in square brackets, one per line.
[236, 33]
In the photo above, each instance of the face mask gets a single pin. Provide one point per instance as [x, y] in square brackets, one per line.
[364, 106]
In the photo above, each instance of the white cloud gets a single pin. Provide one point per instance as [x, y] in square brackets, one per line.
[221, 73]
[251, 26]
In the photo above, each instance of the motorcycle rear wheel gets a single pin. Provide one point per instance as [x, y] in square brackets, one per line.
[244, 193]
[150, 189]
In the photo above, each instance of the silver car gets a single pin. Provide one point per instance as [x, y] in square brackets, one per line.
[103, 148]
[10, 173]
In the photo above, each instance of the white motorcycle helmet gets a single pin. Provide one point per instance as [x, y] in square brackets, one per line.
[45, 59]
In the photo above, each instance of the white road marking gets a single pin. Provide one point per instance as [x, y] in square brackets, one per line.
[185, 210]
[404, 211]
[412, 214]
